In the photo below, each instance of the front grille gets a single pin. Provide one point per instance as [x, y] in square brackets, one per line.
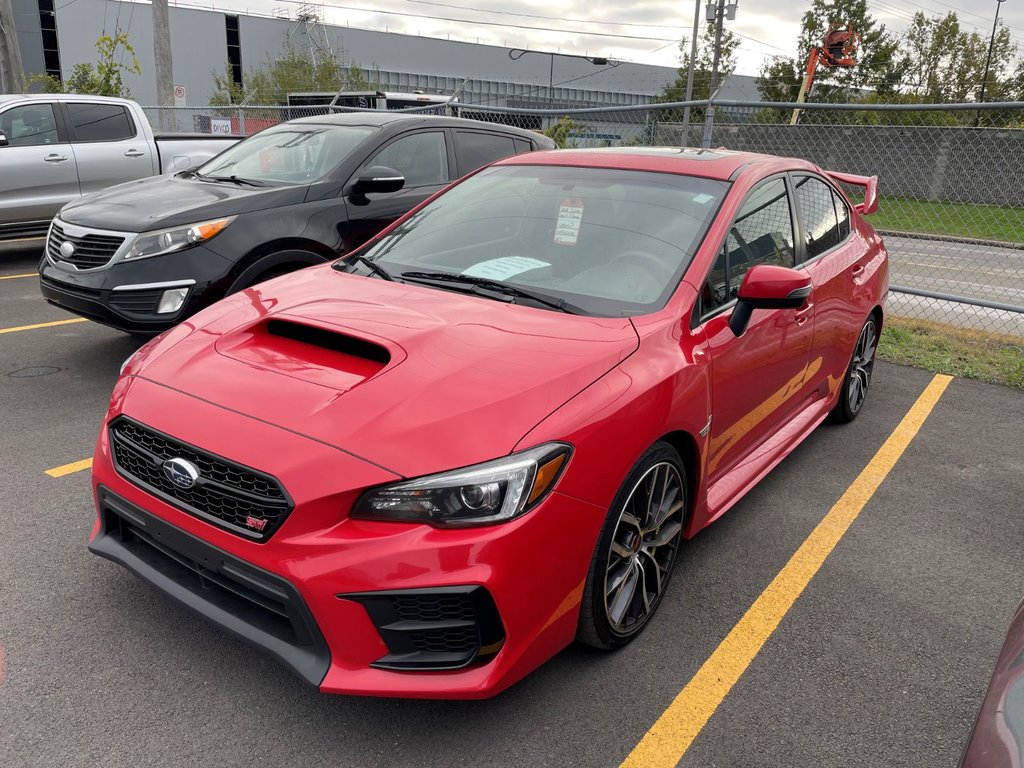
[242, 500]
[434, 628]
[91, 250]
[137, 302]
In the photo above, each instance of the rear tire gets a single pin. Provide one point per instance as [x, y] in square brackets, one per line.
[636, 551]
[857, 380]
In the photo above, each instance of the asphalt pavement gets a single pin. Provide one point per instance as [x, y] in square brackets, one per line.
[882, 661]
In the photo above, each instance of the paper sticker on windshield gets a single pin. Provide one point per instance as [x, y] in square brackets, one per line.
[506, 266]
[570, 217]
[703, 198]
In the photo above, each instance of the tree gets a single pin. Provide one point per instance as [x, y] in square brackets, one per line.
[880, 64]
[947, 64]
[106, 77]
[676, 91]
[561, 131]
[291, 72]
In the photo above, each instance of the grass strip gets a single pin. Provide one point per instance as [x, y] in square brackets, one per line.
[968, 353]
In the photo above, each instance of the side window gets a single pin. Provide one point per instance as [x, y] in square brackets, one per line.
[475, 149]
[843, 213]
[421, 158]
[523, 146]
[761, 234]
[817, 214]
[101, 122]
[30, 125]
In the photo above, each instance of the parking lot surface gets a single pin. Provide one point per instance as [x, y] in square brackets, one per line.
[882, 660]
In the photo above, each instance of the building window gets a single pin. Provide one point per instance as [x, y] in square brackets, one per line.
[48, 31]
[234, 48]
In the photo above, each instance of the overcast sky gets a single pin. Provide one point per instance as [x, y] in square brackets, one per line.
[652, 27]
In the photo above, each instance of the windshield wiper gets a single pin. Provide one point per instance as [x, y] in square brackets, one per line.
[232, 179]
[378, 270]
[498, 287]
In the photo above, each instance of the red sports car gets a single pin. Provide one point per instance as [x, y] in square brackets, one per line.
[425, 469]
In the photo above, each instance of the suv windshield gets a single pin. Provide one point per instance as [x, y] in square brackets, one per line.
[288, 154]
[608, 242]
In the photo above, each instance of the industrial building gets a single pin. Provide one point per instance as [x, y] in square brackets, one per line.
[54, 38]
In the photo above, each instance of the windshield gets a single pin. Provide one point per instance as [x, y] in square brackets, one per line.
[288, 154]
[610, 242]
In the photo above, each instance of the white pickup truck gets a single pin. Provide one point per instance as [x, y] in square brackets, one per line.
[57, 147]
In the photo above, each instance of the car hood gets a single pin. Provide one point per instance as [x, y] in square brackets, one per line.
[169, 201]
[414, 379]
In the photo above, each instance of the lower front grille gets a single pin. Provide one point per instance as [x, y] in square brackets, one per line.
[136, 302]
[434, 628]
[75, 290]
[255, 605]
[234, 497]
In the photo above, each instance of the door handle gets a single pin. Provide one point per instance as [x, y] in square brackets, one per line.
[857, 271]
[804, 313]
[134, 153]
[55, 158]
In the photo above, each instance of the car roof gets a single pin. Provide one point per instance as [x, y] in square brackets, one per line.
[383, 118]
[718, 163]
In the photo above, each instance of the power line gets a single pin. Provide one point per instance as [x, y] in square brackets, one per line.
[478, 22]
[548, 18]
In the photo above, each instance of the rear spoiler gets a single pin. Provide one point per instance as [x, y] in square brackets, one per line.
[870, 184]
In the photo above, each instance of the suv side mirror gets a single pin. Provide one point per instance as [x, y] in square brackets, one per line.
[3, 139]
[376, 178]
[767, 286]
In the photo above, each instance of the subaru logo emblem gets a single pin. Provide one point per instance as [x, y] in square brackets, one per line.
[67, 249]
[182, 473]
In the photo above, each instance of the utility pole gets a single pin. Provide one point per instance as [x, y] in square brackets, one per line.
[689, 72]
[988, 61]
[12, 75]
[162, 59]
[709, 115]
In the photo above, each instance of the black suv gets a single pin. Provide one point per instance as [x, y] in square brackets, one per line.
[143, 256]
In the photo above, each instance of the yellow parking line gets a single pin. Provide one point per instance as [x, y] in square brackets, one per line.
[13, 277]
[668, 739]
[67, 469]
[42, 325]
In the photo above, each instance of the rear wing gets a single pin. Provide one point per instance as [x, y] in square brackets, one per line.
[870, 184]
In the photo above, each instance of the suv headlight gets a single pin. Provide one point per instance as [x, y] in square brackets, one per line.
[492, 492]
[174, 239]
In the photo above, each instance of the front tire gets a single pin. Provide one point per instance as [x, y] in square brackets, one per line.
[636, 551]
[858, 375]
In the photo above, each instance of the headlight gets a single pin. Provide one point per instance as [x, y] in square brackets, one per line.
[493, 492]
[174, 239]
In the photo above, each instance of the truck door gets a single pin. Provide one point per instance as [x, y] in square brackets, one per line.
[109, 146]
[37, 170]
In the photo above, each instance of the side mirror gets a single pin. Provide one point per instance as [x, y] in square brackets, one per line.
[3, 139]
[767, 286]
[376, 178]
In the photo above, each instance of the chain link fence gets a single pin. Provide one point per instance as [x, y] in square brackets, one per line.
[951, 177]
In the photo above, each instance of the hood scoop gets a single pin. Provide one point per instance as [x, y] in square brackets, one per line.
[321, 355]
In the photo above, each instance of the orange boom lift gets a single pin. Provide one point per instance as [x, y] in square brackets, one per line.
[839, 50]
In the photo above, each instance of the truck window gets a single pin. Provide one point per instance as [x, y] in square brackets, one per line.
[101, 122]
[30, 125]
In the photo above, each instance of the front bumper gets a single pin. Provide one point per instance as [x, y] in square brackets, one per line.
[125, 295]
[345, 581]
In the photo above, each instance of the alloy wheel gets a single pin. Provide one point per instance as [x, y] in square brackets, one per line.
[643, 548]
[861, 366]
